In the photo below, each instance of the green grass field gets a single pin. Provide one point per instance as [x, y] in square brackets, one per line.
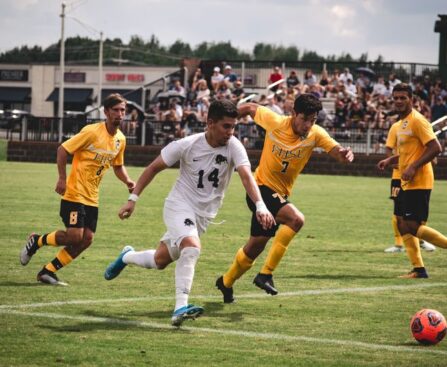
[340, 301]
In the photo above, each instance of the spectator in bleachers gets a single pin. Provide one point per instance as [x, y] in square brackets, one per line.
[274, 77]
[379, 87]
[198, 76]
[345, 75]
[350, 88]
[177, 87]
[216, 78]
[292, 80]
[308, 80]
[274, 103]
[356, 115]
[392, 79]
[237, 91]
[229, 76]
[223, 91]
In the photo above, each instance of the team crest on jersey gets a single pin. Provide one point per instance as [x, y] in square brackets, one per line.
[188, 222]
[117, 144]
[404, 124]
[221, 159]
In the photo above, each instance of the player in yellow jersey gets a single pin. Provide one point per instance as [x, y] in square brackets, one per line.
[416, 146]
[95, 148]
[394, 191]
[288, 145]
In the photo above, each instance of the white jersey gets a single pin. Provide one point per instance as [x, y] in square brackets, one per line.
[205, 172]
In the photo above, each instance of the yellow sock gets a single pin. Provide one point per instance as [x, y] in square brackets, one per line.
[241, 264]
[280, 243]
[413, 250]
[62, 259]
[397, 237]
[432, 235]
[47, 239]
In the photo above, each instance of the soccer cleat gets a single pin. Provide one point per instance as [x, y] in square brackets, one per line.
[114, 269]
[29, 249]
[427, 246]
[189, 312]
[265, 282]
[394, 249]
[415, 273]
[226, 292]
[48, 277]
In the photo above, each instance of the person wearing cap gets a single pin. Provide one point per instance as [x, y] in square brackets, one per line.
[216, 78]
[229, 76]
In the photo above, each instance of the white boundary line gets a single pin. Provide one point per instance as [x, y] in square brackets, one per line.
[248, 334]
[309, 292]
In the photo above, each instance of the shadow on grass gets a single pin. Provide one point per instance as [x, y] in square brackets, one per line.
[10, 283]
[339, 276]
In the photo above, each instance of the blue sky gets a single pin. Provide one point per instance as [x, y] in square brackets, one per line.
[399, 30]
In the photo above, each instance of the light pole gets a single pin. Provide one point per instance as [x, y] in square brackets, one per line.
[99, 94]
[61, 77]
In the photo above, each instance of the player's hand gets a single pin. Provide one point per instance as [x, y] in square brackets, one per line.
[264, 217]
[61, 186]
[127, 210]
[347, 154]
[130, 185]
[409, 173]
[384, 163]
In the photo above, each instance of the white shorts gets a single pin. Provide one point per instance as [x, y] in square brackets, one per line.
[181, 221]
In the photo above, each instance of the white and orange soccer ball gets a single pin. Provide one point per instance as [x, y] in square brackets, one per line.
[428, 326]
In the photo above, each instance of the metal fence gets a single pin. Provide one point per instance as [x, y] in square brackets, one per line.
[152, 132]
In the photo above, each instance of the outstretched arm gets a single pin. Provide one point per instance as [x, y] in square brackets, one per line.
[341, 154]
[146, 177]
[264, 217]
[247, 109]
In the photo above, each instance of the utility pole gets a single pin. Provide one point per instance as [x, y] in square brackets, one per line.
[61, 77]
[100, 61]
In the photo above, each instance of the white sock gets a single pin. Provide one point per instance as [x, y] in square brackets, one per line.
[184, 274]
[145, 259]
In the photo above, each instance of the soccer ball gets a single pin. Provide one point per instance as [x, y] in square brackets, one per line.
[428, 326]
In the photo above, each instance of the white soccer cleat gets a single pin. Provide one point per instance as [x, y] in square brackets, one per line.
[394, 249]
[427, 246]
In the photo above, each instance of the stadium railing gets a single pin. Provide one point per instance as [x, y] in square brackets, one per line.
[366, 141]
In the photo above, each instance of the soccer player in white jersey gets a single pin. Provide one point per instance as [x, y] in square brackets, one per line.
[207, 161]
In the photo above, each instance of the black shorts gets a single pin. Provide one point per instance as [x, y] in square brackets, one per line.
[274, 203]
[77, 215]
[413, 205]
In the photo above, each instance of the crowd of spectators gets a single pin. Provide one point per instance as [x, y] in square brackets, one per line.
[358, 101]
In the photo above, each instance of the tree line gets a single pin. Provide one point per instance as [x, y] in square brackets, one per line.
[140, 52]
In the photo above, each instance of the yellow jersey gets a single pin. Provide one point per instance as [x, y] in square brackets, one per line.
[413, 133]
[391, 142]
[94, 150]
[285, 154]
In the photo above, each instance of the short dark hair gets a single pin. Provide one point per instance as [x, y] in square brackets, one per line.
[222, 108]
[404, 87]
[307, 103]
[113, 99]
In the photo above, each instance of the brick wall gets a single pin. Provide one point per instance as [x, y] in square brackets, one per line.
[320, 163]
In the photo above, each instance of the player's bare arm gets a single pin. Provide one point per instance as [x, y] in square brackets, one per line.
[146, 177]
[121, 173]
[389, 161]
[263, 215]
[61, 160]
[247, 109]
[342, 154]
[432, 149]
